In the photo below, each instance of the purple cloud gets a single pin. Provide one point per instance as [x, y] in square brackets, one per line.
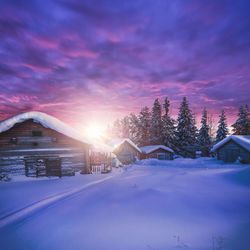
[77, 57]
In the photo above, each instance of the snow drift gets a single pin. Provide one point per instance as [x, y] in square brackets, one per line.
[189, 205]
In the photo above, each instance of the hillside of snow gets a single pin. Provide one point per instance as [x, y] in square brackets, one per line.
[180, 204]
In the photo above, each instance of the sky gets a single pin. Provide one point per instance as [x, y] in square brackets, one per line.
[85, 61]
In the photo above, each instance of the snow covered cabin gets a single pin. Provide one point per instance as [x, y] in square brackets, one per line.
[35, 144]
[160, 152]
[232, 148]
[125, 150]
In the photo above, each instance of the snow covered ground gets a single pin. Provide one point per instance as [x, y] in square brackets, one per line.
[180, 204]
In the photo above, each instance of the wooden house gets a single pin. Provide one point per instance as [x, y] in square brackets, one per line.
[125, 150]
[37, 144]
[233, 148]
[160, 152]
[190, 151]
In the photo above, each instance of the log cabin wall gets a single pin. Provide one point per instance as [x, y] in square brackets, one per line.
[231, 151]
[31, 139]
[155, 154]
[26, 137]
[126, 153]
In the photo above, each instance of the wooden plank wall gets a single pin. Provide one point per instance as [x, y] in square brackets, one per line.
[169, 155]
[15, 165]
[73, 153]
[125, 153]
[224, 153]
[23, 133]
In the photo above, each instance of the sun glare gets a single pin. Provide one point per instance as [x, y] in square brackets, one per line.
[93, 131]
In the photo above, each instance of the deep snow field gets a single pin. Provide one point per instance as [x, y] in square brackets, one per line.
[155, 205]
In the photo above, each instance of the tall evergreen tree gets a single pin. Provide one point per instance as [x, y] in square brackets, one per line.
[212, 126]
[134, 128]
[144, 127]
[125, 127]
[117, 129]
[194, 129]
[222, 130]
[242, 124]
[203, 135]
[248, 118]
[156, 124]
[168, 126]
[186, 129]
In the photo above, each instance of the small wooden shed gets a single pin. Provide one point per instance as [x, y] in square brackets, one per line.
[37, 144]
[125, 150]
[233, 148]
[160, 152]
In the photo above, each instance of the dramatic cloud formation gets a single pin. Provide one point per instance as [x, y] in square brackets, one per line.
[79, 60]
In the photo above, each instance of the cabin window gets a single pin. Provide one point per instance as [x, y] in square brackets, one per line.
[37, 133]
[13, 140]
[161, 156]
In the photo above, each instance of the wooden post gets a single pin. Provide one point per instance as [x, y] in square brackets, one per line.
[87, 167]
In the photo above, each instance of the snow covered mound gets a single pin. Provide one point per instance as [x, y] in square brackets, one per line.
[45, 120]
[203, 162]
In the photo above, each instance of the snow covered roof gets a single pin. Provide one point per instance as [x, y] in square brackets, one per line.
[151, 148]
[45, 120]
[242, 140]
[118, 141]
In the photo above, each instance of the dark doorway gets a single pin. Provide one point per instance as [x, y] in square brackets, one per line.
[53, 167]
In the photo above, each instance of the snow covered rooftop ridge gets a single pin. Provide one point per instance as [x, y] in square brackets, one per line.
[45, 120]
[118, 141]
[242, 140]
[151, 148]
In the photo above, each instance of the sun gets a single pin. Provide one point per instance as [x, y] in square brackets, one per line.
[94, 131]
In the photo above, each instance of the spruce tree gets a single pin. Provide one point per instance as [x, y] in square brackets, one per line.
[194, 129]
[156, 124]
[222, 130]
[212, 127]
[117, 129]
[125, 126]
[134, 128]
[248, 119]
[242, 124]
[168, 126]
[144, 127]
[186, 129]
[203, 135]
